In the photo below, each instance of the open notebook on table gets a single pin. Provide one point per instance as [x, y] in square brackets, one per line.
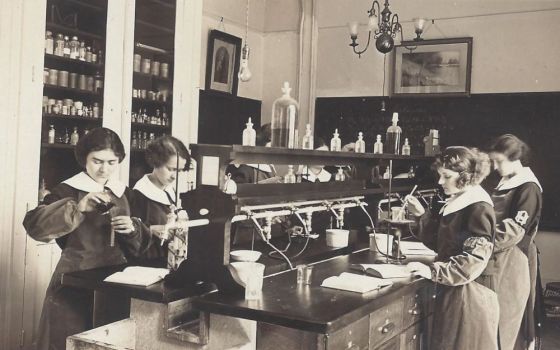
[138, 275]
[415, 248]
[355, 283]
[383, 270]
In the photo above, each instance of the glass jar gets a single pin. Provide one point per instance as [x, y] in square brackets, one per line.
[74, 48]
[285, 120]
[137, 62]
[66, 50]
[95, 110]
[146, 65]
[49, 43]
[82, 51]
[98, 85]
[59, 45]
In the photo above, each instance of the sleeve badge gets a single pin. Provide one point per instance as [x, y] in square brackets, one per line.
[521, 217]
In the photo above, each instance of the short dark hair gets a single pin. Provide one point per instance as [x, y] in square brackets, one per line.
[161, 149]
[264, 134]
[98, 139]
[512, 147]
[472, 165]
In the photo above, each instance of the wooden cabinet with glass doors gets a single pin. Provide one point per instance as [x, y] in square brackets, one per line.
[152, 81]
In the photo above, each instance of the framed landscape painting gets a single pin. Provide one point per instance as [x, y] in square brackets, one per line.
[433, 67]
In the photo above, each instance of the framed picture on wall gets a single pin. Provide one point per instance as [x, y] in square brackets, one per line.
[222, 62]
[433, 67]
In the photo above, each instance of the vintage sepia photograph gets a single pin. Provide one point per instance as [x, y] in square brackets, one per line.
[224, 52]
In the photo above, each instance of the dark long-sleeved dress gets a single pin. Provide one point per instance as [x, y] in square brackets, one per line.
[518, 203]
[152, 205]
[466, 308]
[85, 242]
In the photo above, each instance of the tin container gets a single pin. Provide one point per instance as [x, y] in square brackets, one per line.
[82, 82]
[137, 63]
[155, 68]
[63, 78]
[45, 76]
[164, 70]
[90, 83]
[53, 76]
[73, 80]
[146, 65]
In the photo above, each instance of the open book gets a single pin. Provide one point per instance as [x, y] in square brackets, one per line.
[415, 248]
[384, 270]
[355, 283]
[138, 275]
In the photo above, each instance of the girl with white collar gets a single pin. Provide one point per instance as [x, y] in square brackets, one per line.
[462, 233]
[71, 215]
[517, 202]
[154, 195]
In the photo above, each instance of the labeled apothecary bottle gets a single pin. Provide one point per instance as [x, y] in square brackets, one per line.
[59, 45]
[285, 112]
[66, 50]
[74, 48]
[51, 134]
[74, 137]
[49, 42]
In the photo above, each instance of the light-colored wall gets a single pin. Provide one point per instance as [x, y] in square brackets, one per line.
[513, 51]
[549, 246]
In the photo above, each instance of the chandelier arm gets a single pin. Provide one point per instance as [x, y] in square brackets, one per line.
[359, 53]
[395, 25]
[372, 11]
[409, 48]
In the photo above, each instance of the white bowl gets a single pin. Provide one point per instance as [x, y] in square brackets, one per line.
[337, 238]
[245, 255]
[242, 270]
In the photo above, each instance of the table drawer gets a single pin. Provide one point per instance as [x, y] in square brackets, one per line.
[385, 323]
[415, 307]
[354, 336]
[412, 338]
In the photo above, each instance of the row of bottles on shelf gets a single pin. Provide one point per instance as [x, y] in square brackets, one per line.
[148, 66]
[73, 80]
[69, 107]
[159, 118]
[70, 139]
[72, 48]
[141, 140]
[151, 95]
[376, 173]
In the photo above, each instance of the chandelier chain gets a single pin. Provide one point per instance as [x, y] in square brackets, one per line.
[247, 22]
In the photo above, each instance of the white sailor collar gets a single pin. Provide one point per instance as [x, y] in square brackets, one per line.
[148, 189]
[524, 176]
[323, 176]
[84, 182]
[473, 194]
[267, 168]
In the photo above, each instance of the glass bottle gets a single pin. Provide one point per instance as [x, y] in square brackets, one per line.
[134, 140]
[307, 142]
[95, 110]
[49, 42]
[165, 117]
[340, 175]
[74, 48]
[411, 173]
[158, 117]
[74, 137]
[98, 82]
[82, 51]
[86, 130]
[393, 139]
[387, 174]
[66, 46]
[88, 54]
[43, 192]
[152, 138]
[249, 135]
[406, 148]
[51, 134]
[378, 146]
[59, 45]
[285, 120]
[290, 177]
[335, 142]
[360, 146]
[66, 137]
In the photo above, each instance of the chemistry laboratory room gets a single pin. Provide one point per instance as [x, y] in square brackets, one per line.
[280, 175]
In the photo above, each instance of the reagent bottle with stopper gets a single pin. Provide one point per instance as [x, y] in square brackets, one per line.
[378, 146]
[249, 134]
[393, 139]
[360, 146]
[335, 142]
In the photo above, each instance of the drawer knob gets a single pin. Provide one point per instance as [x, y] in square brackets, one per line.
[386, 328]
[414, 311]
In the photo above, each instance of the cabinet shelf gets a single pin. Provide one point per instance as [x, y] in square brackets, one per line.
[51, 60]
[152, 50]
[73, 91]
[150, 126]
[61, 117]
[73, 31]
[151, 102]
[151, 76]
[148, 25]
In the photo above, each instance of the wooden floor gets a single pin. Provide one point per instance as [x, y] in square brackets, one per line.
[551, 335]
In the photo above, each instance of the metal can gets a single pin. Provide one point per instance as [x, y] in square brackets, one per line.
[82, 82]
[73, 80]
[45, 76]
[155, 68]
[63, 78]
[90, 83]
[53, 76]
[137, 62]
[146, 64]
[164, 70]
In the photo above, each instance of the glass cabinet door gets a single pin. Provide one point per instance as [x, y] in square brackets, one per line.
[152, 81]
[73, 80]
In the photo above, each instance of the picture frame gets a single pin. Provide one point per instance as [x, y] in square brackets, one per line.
[433, 67]
[222, 62]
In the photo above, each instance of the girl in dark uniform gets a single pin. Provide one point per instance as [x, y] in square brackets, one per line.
[518, 201]
[462, 233]
[72, 215]
[154, 195]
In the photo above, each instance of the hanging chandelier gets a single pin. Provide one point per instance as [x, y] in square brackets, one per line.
[384, 25]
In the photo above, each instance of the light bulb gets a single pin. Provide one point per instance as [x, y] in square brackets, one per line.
[353, 29]
[373, 25]
[244, 72]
